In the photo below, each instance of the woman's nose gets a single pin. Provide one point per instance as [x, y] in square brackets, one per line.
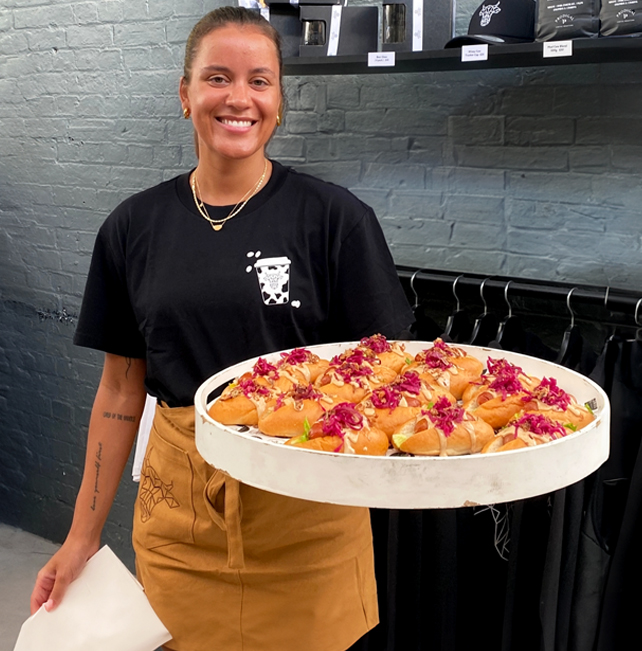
[239, 95]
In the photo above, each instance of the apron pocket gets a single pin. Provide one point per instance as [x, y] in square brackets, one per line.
[164, 511]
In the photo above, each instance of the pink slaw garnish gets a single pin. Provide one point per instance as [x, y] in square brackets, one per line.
[298, 356]
[389, 396]
[341, 416]
[409, 382]
[305, 392]
[251, 387]
[435, 357]
[550, 394]
[376, 343]
[356, 356]
[444, 415]
[506, 377]
[386, 397]
[538, 424]
[264, 369]
[350, 372]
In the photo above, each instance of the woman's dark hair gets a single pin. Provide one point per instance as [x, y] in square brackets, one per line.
[223, 17]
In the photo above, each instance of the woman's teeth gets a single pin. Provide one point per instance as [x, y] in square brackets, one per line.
[238, 123]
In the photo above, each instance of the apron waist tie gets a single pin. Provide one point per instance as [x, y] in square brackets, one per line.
[229, 519]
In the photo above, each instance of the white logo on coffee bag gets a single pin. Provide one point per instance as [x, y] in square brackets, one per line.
[487, 12]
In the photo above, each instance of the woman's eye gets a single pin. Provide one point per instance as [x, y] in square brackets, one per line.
[217, 79]
[259, 82]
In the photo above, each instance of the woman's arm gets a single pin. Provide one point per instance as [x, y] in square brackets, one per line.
[114, 421]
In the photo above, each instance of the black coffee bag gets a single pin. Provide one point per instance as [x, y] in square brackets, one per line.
[567, 19]
[620, 17]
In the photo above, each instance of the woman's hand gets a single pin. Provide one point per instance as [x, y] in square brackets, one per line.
[63, 567]
[112, 428]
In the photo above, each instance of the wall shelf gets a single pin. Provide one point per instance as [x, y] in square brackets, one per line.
[589, 50]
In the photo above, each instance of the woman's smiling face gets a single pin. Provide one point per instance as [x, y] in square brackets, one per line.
[234, 92]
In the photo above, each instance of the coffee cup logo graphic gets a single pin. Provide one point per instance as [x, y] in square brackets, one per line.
[274, 279]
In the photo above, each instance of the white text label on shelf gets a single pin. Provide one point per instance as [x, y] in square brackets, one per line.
[474, 52]
[381, 59]
[557, 49]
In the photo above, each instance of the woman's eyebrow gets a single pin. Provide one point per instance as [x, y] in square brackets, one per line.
[254, 71]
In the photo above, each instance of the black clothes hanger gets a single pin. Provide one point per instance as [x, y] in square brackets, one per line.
[424, 327]
[486, 324]
[458, 328]
[510, 335]
[638, 332]
[570, 353]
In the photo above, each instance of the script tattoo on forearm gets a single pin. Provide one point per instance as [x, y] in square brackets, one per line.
[97, 462]
[129, 365]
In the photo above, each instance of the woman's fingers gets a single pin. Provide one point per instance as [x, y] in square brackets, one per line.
[54, 578]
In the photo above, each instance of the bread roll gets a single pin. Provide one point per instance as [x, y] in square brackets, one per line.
[290, 413]
[444, 430]
[345, 424]
[448, 367]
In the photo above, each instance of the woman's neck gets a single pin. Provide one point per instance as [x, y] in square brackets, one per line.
[226, 182]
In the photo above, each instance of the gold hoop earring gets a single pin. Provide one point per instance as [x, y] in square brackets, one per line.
[186, 113]
[278, 119]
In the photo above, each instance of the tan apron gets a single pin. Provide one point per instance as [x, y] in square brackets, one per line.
[233, 568]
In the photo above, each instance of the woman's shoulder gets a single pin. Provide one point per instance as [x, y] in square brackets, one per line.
[325, 191]
[146, 206]
[158, 195]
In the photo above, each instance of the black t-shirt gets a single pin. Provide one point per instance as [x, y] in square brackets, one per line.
[305, 262]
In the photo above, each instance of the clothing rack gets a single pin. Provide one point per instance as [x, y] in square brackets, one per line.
[422, 282]
[567, 577]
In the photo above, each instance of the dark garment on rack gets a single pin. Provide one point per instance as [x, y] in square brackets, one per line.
[544, 538]
[606, 611]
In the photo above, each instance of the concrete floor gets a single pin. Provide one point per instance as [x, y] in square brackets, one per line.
[21, 557]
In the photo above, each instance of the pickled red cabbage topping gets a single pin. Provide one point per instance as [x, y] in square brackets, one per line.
[376, 343]
[356, 356]
[442, 345]
[550, 394]
[387, 397]
[538, 424]
[305, 392]
[506, 380]
[436, 357]
[264, 368]
[352, 371]
[249, 387]
[499, 366]
[445, 416]
[409, 382]
[341, 416]
[297, 356]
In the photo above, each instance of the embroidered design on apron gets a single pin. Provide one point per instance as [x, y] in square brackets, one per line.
[153, 491]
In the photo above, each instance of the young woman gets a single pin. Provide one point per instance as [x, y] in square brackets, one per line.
[175, 293]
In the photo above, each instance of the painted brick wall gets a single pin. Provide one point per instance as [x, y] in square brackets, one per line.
[532, 172]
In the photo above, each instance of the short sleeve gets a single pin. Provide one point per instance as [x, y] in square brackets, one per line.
[367, 294]
[107, 320]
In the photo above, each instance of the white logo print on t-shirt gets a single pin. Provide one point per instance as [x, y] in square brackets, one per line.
[274, 278]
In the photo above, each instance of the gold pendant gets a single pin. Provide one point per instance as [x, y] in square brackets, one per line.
[217, 227]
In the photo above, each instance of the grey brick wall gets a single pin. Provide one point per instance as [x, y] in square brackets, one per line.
[529, 172]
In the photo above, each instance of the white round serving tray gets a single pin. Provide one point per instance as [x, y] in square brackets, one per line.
[399, 482]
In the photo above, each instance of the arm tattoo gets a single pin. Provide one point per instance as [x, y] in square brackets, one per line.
[129, 365]
[97, 463]
[113, 416]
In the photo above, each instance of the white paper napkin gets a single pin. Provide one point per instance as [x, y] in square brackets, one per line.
[104, 609]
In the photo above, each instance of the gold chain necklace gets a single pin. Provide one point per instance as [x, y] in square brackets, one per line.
[217, 224]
